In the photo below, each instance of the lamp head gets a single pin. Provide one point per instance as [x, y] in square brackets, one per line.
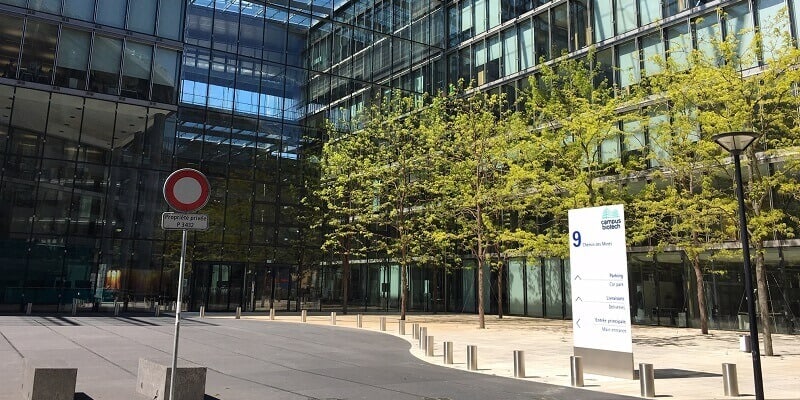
[735, 142]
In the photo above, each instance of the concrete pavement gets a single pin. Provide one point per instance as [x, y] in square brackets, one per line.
[687, 365]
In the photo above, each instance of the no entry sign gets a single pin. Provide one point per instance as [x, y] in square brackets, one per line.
[186, 190]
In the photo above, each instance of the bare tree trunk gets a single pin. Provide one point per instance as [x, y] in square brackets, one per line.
[763, 300]
[701, 294]
[500, 289]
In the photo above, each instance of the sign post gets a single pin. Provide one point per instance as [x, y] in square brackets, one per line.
[185, 190]
[601, 319]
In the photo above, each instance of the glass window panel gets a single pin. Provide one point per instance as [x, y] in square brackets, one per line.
[579, 24]
[38, 52]
[49, 6]
[30, 109]
[251, 32]
[679, 42]
[628, 61]
[709, 34]
[18, 198]
[226, 26]
[20, 3]
[275, 43]
[605, 64]
[534, 287]
[541, 34]
[6, 104]
[80, 9]
[106, 56]
[559, 32]
[73, 59]
[526, 50]
[603, 20]
[98, 124]
[625, 16]
[136, 73]
[609, 150]
[649, 11]
[658, 130]
[480, 16]
[10, 40]
[111, 12]
[653, 53]
[466, 20]
[672, 7]
[66, 113]
[453, 25]
[142, 15]
[773, 25]
[165, 74]
[494, 13]
[510, 62]
[553, 292]
[516, 287]
[739, 23]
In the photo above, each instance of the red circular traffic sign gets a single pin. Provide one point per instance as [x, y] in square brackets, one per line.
[186, 190]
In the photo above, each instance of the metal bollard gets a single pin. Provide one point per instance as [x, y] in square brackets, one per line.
[730, 381]
[383, 324]
[116, 309]
[423, 334]
[744, 344]
[272, 314]
[158, 309]
[576, 371]
[472, 357]
[647, 380]
[429, 346]
[359, 320]
[238, 312]
[415, 331]
[519, 364]
[333, 318]
[448, 352]
[74, 307]
[303, 315]
[401, 327]
[29, 309]
[202, 311]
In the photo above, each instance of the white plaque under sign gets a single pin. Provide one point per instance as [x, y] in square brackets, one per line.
[601, 319]
[181, 221]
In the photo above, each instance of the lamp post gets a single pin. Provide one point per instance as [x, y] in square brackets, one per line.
[735, 143]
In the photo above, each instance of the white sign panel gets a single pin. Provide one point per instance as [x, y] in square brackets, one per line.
[181, 221]
[601, 316]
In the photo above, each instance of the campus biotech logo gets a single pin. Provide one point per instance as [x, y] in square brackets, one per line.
[610, 219]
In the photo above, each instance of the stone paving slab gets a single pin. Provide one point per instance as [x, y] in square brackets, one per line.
[688, 365]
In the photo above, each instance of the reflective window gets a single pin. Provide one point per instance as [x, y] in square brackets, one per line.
[106, 56]
[649, 11]
[494, 13]
[80, 9]
[625, 13]
[165, 75]
[466, 20]
[48, 6]
[38, 52]
[136, 72]
[480, 16]
[739, 24]
[527, 54]
[20, 3]
[679, 43]
[111, 12]
[541, 34]
[142, 16]
[170, 19]
[609, 150]
[628, 61]
[559, 30]
[510, 43]
[652, 53]
[73, 59]
[672, 7]
[603, 20]
[773, 25]
[579, 24]
[10, 40]
[708, 35]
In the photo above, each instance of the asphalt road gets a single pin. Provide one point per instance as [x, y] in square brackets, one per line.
[249, 360]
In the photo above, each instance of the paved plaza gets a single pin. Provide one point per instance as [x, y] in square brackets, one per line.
[256, 358]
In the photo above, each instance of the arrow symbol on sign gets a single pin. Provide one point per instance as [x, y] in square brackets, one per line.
[578, 299]
[577, 277]
[578, 323]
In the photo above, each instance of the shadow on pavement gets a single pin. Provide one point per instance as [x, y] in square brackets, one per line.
[82, 396]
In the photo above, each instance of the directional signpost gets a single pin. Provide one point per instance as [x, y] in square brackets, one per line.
[601, 319]
[185, 190]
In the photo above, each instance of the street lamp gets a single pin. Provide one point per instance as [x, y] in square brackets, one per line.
[735, 143]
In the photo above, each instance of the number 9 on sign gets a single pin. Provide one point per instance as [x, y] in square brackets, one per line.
[576, 239]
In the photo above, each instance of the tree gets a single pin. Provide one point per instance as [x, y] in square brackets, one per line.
[746, 86]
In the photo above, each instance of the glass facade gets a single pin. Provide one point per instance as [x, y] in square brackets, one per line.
[101, 100]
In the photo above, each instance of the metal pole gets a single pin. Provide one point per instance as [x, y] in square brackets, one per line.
[401, 327]
[272, 314]
[748, 282]
[359, 320]
[415, 330]
[238, 312]
[519, 364]
[303, 315]
[177, 319]
[202, 311]
[158, 309]
[423, 334]
[29, 309]
[74, 307]
[472, 357]
[116, 309]
[448, 352]
[576, 370]
[429, 346]
[383, 324]
[647, 380]
[730, 381]
[333, 317]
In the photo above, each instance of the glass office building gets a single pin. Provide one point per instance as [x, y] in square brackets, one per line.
[101, 99]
